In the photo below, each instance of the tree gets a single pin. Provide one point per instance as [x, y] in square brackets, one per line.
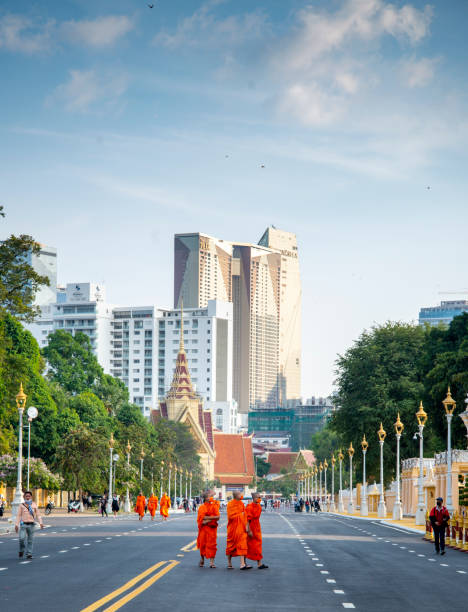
[90, 410]
[377, 378]
[40, 475]
[72, 363]
[324, 443]
[82, 458]
[19, 282]
[263, 467]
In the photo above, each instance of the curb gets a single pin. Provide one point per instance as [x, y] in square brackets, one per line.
[382, 522]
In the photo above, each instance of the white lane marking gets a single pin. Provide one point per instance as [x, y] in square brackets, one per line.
[311, 555]
[394, 544]
[98, 540]
[338, 591]
[319, 565]
[324, 572]
[331, 581]
[45, 556]
[411, 551]
[24, 562]
[348, 605]
[444, 565]
[388, 541]
[431, 559]
[62, 551]
[461, 572]
[73, 528]
[86, 544]
[108, 538]
[2, 569]
[421, 555]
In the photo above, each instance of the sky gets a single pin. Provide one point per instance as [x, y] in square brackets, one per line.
[121, 125]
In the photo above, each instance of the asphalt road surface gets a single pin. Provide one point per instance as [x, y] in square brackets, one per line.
[321, 562]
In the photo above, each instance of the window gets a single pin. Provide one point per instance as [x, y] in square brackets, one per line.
[136, 342]
[138, 324]
[136, 380]
[148, 333]
[137, 352]
[136, 371]
[148, 353]
[149, 362]
[148, 372]
[136, 361]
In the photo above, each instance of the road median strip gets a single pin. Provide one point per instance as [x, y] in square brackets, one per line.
[131, 583]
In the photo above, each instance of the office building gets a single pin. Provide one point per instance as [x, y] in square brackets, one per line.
[443, 314]
[208, 339]
[45, 264]
[263, 282]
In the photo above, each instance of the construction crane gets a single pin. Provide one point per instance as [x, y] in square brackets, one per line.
[462, 292]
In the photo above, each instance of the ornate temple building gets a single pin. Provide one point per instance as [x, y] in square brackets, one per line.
[183, 405]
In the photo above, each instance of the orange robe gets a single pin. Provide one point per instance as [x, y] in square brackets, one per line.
[140, 505]
[164, 506]
[153, 504]
[207, 534]
[254, 542]
[236, 544]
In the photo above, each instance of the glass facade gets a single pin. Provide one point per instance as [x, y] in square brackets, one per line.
[443, 314]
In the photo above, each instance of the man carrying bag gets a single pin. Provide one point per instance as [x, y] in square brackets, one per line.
[28, 514]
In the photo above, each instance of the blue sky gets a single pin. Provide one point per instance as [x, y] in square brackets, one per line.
[116, 119]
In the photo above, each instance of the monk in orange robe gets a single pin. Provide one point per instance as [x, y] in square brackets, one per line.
[152, 505]
[164, 506]
[254, 537]
[236, 545]
[207, 519]
[140, 506]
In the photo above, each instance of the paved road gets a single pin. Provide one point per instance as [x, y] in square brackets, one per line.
[316, 561]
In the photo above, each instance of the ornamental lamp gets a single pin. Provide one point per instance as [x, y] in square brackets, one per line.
[351, 450]
[421, 416]
[321, 466]
[333, 460]
[142, 454]
[382, 433]
[111, 441]
[340, 456]
[398, 425]
[364, 443]
[129, 448]
[21, 399]
[325, 464]
[449, 403]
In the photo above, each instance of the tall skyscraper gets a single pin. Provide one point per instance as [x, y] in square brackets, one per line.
[263, 282]
[45, 263]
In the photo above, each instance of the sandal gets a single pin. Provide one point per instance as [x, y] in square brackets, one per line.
[262, 566]
[212, 566]
[229, 567]
[201, 564]
[246, 567]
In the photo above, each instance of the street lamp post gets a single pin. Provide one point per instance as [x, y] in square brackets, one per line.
[175, 487]
[325, 467]
[127, 494]
[186, 485]
[382, 509]
[421, 510]
[364, 507]
[397, 507]
[169, 473]
[351, 502]
[320, 488]
[449, 405]
[332, 504]
[340, 492]
[115, 458]
[109, 493]
[32, 414]
[190, 492]
[161, 480]
[142, 457]
[18, 499]
[152, 473]
[180, 481]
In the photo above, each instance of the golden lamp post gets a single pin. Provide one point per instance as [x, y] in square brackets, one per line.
[382, 509]
[325, 467]
[127, 495]
[449, 405]
[320, 477]
[421, 510]
[332, 502]
[169, 472]
[111, 459]
[142, 456]
[340, 492]
[350, 501]
[364, 507]
[18, 499]
[397, 507]
[161, 479]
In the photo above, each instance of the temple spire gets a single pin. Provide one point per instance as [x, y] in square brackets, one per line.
[181, 386]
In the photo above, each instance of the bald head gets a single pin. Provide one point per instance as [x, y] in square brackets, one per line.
[206, 495]
[237, 494]
[256, 496]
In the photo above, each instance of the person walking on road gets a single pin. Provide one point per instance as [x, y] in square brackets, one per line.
[152, 505]
[164, 506]
[207, 520]
[140, 506]
[104, 506]
[254, 539]
[26, 518]
[439, 517]
[115, 505]
[236, 545]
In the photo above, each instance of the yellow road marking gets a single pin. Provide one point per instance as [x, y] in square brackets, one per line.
[122, 589]
[121, 602]
[189, 546]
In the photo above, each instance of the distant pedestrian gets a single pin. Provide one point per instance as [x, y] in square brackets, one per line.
[26, 518]
[104, 505]
[439, 517]
[115, 505]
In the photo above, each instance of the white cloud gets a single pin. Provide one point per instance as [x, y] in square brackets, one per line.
[419, 73]
[332, 56]
[203, 28]
[100, 32]
[86, 88]
[21, 35]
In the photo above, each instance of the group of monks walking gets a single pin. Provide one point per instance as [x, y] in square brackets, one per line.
[244, 534]
[151, 504]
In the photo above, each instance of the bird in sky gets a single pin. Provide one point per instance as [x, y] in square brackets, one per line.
[428, 187]
[150, 5]
[262, 166]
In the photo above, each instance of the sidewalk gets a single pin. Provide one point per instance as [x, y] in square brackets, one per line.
[405, 523]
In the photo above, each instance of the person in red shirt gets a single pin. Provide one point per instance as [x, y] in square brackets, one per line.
[439, 517]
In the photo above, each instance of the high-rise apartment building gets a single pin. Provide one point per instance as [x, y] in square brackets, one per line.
[443, 314]
[263, 282]
[45, 264]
